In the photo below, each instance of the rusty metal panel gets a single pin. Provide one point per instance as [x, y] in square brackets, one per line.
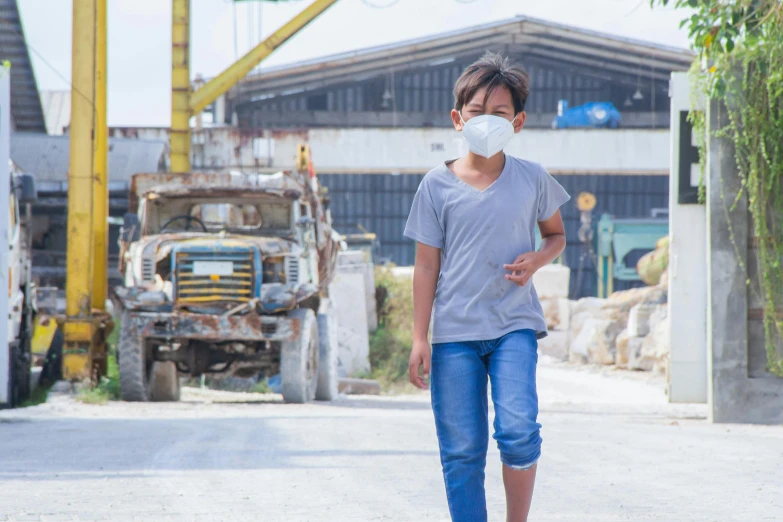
[217, 328]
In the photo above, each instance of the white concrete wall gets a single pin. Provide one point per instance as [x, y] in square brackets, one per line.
[687, 274]
[366, 151]
[418, 150]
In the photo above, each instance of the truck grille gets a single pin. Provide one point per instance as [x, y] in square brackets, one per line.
[292, 269]
[205, 288]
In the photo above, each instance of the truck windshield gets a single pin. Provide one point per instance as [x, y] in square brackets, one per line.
[267, 217]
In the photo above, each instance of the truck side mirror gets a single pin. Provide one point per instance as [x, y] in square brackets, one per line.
[131, 228]
[27, 192]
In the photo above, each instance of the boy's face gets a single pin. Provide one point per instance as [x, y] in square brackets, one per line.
[499, 103]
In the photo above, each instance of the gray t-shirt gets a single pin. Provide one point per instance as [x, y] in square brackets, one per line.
[478, 232]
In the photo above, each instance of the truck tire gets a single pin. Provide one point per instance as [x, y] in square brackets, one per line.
[135, 368]
[299, 360]
[327, 356]
[164, 382]
[19, 374]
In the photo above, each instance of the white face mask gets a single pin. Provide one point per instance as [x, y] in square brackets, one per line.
[487, 134]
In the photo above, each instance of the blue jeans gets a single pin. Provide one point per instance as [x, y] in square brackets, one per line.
[459, 401]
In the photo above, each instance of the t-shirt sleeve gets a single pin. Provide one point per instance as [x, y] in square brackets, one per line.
[423, 225]
[551, 196]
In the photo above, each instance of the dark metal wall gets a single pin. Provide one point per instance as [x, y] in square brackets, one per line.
[429, 90]
[380, 203]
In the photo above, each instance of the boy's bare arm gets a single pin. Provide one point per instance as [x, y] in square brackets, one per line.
[425, 281]
[553, 242]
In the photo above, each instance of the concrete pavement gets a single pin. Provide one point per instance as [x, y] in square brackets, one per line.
[613, 450]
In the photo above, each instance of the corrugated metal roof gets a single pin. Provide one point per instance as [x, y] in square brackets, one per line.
[575, 47]
[57, 111]
[46, 157]
[26, 111]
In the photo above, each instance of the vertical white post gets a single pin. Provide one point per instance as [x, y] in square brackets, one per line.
[687, 258]
[5, 185]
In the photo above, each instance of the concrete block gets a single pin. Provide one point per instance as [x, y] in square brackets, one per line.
[349, 297]
[557, 313]
[368, 272]
[587, 304]
[555, 344]
[636, 361]
[639, 319]
[656, 347]
[552, 281]
[621, 346]
[589, 335]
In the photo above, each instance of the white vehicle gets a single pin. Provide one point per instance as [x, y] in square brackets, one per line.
[21, 293]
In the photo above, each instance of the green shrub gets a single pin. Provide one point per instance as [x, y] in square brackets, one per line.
[390, 344]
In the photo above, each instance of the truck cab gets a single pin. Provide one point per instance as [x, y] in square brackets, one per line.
[227, 274]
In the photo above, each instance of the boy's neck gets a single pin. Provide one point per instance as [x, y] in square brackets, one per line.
[494, 164]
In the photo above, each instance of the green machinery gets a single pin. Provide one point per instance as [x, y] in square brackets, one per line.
[619, 237]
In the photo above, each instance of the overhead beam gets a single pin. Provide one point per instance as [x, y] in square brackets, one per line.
[228, 78]
[398, 63]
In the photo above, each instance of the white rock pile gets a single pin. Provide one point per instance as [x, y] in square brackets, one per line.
[629, 330]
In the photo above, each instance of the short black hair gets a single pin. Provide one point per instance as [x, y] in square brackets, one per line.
[492, 70]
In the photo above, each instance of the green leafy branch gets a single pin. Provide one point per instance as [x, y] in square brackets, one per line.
[740, 62]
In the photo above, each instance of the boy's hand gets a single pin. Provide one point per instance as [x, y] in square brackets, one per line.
[421, 356]
[523, 268]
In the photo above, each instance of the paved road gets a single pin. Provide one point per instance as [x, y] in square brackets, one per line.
[614, 450]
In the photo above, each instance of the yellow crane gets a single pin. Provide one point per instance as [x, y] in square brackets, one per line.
[87, 324]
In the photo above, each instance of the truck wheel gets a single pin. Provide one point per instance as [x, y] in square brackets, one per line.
[19, 375]
[327, 357]
[134, 363]
[164, 382]
[299, 360]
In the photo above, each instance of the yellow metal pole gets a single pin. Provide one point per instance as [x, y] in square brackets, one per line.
[228, 78]
[100, 202]
[77, 360]
[100, 194]
[180, 86]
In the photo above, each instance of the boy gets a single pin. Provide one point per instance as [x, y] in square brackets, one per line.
[473, 219]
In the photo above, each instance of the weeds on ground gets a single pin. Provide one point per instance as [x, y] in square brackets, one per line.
[390, 344]
[262, 386]
[108, 389]
[38, 396]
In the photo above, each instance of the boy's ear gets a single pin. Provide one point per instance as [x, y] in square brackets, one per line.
[520, 121]
[456, 120]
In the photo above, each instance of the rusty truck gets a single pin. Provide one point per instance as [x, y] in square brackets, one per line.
[227, 274]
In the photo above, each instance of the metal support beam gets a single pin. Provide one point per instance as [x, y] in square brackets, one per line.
[100, 201]
[228, 78]
[79, 329]
[180, 86]
[100, 193]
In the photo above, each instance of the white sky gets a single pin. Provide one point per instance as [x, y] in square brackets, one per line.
[140, 36]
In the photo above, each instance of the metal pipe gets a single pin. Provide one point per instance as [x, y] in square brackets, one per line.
[228, 78]
[77, 362]
[180, 86]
